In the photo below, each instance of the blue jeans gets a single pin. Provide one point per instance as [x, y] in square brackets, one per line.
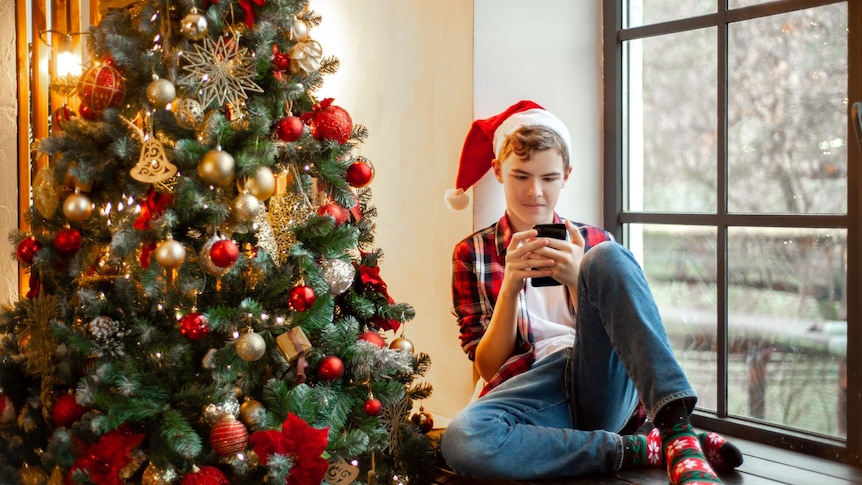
[562, 417]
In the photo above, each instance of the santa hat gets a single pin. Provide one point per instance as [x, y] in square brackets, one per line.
[485, 139]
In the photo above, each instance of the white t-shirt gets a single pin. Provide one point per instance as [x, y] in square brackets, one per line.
[552, 323]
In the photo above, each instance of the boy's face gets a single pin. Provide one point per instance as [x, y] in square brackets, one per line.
[532, 187]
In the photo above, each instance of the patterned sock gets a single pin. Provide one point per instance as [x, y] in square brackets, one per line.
[721, 454]
[686, 463]
[634, 451]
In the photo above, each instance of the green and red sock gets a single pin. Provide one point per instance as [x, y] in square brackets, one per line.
[644, 449]
[686, 462]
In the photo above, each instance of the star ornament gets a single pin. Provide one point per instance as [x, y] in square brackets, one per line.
[224, 70]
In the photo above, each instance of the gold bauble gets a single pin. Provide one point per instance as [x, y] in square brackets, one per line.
[32, 475]
[217, 168]
[194, 25]
[260, 185]
[188, 112]
[244, 207]
[401, 344]
[160, 92]
[170, 254]
[77, 207]
[250, 347]
[248, 412]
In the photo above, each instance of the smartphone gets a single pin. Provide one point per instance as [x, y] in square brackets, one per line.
[556, 231]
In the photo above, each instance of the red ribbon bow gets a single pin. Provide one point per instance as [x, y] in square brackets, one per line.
[246, 6]
[306, 117]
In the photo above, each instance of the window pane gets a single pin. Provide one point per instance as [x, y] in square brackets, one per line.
[787, 326]
[787, 108]
[645, 12]
[680, 266]
[671, 122]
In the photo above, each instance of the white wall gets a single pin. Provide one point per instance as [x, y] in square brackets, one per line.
[549, 52]
[417, 73]
[8, 154]
[406, 74]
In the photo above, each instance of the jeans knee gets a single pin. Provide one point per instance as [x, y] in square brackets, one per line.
[465, 448]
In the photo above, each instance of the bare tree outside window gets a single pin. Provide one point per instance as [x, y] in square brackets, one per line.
[739, 160]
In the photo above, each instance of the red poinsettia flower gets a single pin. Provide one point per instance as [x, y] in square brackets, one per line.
[370, 278]
[105, 459]
[299, 441]
[153, 207]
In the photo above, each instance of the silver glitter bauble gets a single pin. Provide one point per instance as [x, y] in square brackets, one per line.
[154, 475]
[213, 412]
[338, 274]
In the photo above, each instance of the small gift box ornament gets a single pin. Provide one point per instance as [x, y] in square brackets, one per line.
[292, 343]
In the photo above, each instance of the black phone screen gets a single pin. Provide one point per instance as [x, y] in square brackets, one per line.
[556, 231]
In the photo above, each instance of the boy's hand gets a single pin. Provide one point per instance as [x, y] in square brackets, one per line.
[522, 261]
[566, 256]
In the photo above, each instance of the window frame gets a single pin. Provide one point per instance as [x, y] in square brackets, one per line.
[615, 217]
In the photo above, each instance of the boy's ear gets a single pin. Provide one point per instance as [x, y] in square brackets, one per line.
[566, 175]
[498, 169]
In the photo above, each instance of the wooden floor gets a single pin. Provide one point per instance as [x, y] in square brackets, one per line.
[763, 465]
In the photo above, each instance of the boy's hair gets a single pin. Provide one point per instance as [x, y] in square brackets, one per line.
[535, 138]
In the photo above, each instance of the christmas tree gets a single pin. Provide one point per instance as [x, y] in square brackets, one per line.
[205, 302]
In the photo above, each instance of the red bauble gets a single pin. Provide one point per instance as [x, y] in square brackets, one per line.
[27, 250]
[228, 436]
[360, 173]
[87, 113]
[68, 241]
[301, 298]
[372, 406]
[8, 415]
[67, 411]
[289, 128]
[373, 337]
[280, 61]
[61, 115]
[101, 87]
[194, 325]
[423, 419]
[224, 253]
[331, 123]
[205, 475]
[330, 368]
[335, 211]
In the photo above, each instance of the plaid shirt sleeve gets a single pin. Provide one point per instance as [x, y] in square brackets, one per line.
[478, 263]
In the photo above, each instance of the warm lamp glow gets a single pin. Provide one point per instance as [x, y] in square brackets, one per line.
[68, 64]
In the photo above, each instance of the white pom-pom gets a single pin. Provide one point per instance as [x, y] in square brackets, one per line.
[457, 199]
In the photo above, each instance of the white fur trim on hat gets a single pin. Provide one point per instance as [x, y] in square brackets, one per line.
[531, 117]
[457, 199]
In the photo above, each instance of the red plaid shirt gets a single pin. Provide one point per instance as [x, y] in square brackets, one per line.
[477, 274]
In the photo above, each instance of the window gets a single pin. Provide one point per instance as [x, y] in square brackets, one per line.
[732, 173]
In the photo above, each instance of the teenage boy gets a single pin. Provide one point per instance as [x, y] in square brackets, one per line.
[571, 370]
